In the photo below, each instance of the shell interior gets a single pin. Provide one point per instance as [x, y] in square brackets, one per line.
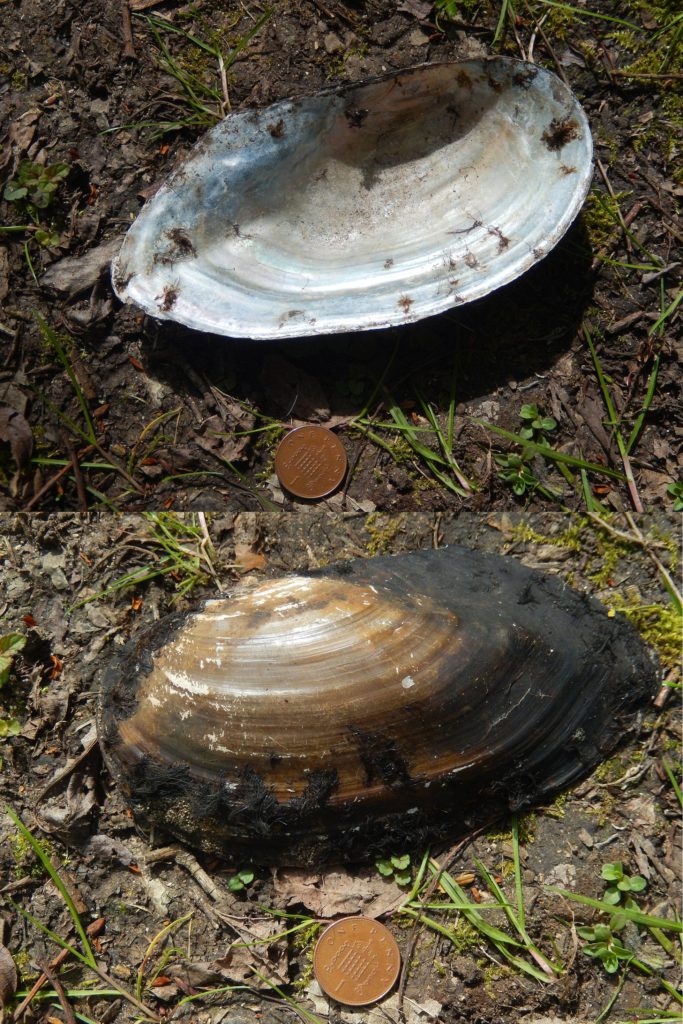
[363, 206]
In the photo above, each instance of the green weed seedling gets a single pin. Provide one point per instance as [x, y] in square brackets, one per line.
[536, 425]
[240, 880]
[622, 884]
[605, 946]
[675, 490]
[10, 646]
[33, 190]
[396, 867]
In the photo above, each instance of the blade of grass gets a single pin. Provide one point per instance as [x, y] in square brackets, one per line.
[89, 956]
[52, 340]
[637, 916]
[548, 969]
[159, 937]
[647, 402]
[672, 779]
[80, 956]
[614, 423]
[302, 1011]
[550, 453]
[668, 312]
[582, 12]
[516, 863]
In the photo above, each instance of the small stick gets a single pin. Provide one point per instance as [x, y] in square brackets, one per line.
[224, 83]
[56, 478]
[78, 474]
[61, 994]
[92, 930]
[127, 32]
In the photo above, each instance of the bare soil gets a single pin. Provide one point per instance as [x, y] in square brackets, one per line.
[53, 778]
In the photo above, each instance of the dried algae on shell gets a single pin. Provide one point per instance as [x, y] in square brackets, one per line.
[372, 705]
[363, 205]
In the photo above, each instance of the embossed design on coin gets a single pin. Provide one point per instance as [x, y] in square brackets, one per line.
[310, 462]
[356, 961]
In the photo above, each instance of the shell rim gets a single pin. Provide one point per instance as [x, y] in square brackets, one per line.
[417, 312]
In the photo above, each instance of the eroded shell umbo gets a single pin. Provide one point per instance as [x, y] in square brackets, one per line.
[369, 706]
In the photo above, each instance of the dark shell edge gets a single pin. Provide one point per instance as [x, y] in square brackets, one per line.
[252, 825]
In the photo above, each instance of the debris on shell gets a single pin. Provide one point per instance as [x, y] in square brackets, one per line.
[364, 205]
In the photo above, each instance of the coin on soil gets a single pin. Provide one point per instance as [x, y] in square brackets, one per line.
[310, 462]
[356, 961]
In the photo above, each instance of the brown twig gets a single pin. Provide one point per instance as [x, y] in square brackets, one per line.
[127, 32]
[78, 473]
[61, 994]
[92, 930]
[56, 478]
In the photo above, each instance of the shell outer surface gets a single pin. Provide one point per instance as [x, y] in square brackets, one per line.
[363, 206]
[375, 705]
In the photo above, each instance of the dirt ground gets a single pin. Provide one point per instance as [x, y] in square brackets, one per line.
[118, 432]
[103, 407]
[53, 778]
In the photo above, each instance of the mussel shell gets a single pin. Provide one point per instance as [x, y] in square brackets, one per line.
[364, 205]
[368, 706]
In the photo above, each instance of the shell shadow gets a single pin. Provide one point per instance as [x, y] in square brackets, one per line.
[517, 331]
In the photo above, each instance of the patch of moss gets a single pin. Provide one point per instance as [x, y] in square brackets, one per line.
[660, 626]
[382, 530]
[569, 538]
[492, 973]
[601, 215]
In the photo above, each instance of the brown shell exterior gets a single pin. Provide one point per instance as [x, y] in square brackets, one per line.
[380, 702]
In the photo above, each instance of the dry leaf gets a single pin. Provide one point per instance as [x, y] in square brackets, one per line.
[15, 430]
[8, 976]
[338, 892]
[247, 558]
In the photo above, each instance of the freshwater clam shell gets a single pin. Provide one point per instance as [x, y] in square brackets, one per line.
[364, 205]
[371, 705]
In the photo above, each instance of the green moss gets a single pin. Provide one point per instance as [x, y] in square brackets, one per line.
[601, 215]
[382, 530]
[492, 973]
[570, 538]
[660, 626]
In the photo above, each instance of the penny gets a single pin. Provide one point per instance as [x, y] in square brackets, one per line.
[356, 961]
[310, 462]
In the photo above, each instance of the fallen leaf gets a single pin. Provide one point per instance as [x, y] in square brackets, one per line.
[338, 892]
[247, 558]
[15, 431]
[420, 9]
[8, 976]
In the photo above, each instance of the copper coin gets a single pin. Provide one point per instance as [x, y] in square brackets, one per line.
[310, 462]
[356, 961]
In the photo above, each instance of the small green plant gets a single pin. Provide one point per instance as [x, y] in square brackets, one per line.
[10, 646]
[397, 867]
[516, 471]
[35, 185]
[240, 880]
[621, 884]
[34, 189]
[536, 425]
[676, 492]
[605, 946]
